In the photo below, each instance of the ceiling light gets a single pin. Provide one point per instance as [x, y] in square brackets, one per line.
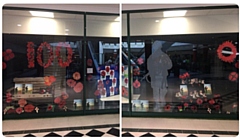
[66, 33]
[42, 14]
[66, 30]
[19, 25]
[117, 19]
[174, 13]
[156, 20]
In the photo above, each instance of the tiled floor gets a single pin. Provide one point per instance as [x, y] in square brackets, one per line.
[165, 127]
[78, 126]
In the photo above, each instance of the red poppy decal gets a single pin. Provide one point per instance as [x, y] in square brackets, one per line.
[8, 97]
[211, 102]
[71, 83]
[19, 110]
[199, 101]
[57, 100]
[97, 93]
[114, 80]
[4, 65]
[49, 80]
[126, 80]
[194, 108]
[140, 61]
[167, 108]
[184, 97]
[237, 64]
[217, 107]
[107, 69]
[22, 102]
[136, 71]
[124, 91]
[111, 72]
[136, 84]
[64, 95]
[8, 55]
[76, 75]
[103, 73]
[111, 89]
[29, 108]
[232, 56]
[62, 104]
[233, 76]
[89, 77]
[78, 87]
[185, 105]
[50, 107]
[179, 107]
[89, 62]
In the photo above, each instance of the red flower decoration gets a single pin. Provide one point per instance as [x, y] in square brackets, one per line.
[49, 80]
[111, 89]
[233, 76]
[179, 107]
[29, 108]
[199, 101]
[107, 69]
[185, 105]
[122, 69]
[136, 71]
[111, 72]
[100, 84]
[11, 111]
[126, 80]
[4, 65]
[107, 82]
[50, 107]
[62, 104]
[194, 108]
[69, 56]
[78, 87]
[22, 102]
[64, 95]
[211, 102]
[237, 64]
[8, 55]
[71, 83]
[205, 99]
[229, 58]
[57, 100]
[216, 95]
[167, 108]
[39, 55]
[217, 107]
[30, 54]
[9, 97]
[114, 80]
[89, 62]
[89, 77]
[140, 61]
[124, 91]
[19, 110]
[103, 73]
[136, 84]
[76, 75]
[97, 93]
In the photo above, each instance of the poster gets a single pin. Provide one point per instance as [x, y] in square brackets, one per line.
[18, 89]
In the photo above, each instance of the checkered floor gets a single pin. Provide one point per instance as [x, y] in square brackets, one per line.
[71, 132]
[161, 134]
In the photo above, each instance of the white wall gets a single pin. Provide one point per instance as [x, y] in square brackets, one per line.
[182, 25]
[48, 26]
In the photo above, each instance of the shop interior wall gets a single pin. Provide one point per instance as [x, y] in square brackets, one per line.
[181, 25]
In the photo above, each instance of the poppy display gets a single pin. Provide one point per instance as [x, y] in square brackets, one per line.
[71, 83]
[136, 84]
[233, 76]
[69, 54]
[78, 87]
[29, 108]
[89, 62]
[8, 55]
[199, 101]
[167, 108]
[76, 75]
[19, 110]
[232, 56]
[22, 102]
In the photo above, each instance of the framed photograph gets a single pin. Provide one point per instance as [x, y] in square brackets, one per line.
[144, 103]
[183, 89]
[207, 89]
[136, 103]
[77, 103]
[18, 89]
[28, 88]
[89, 102]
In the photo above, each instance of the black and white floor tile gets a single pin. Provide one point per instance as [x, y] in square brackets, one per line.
[130, 132]
[88, 131]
